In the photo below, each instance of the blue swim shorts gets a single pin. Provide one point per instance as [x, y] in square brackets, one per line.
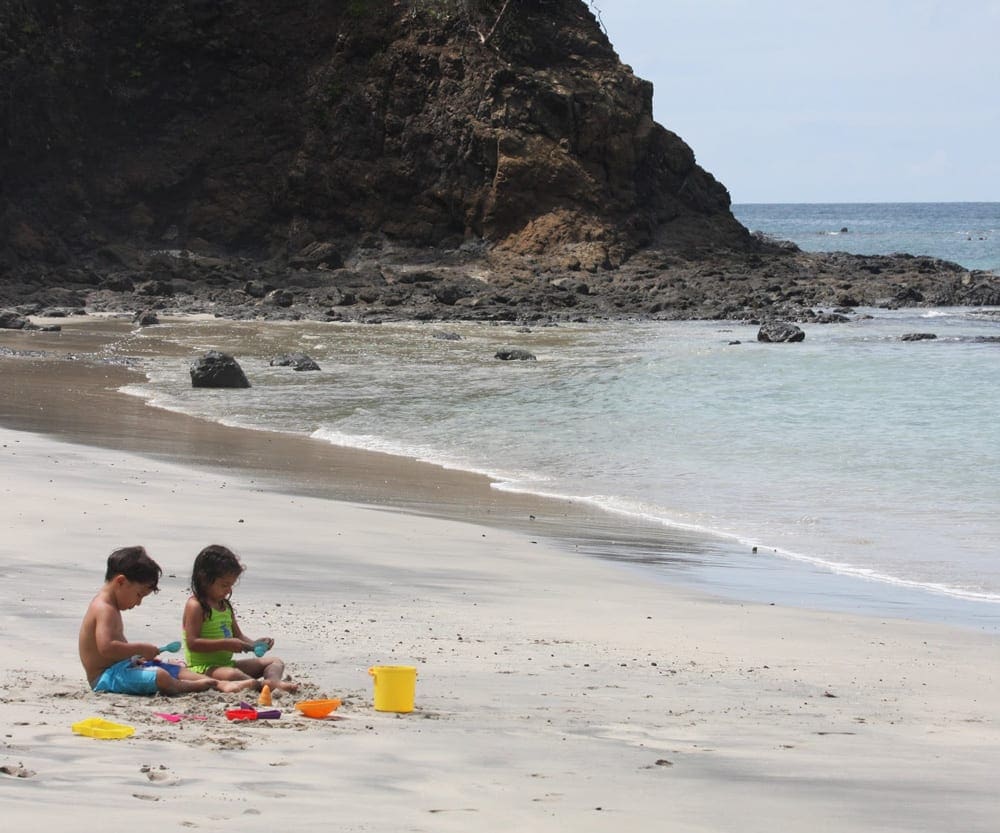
[125, 678]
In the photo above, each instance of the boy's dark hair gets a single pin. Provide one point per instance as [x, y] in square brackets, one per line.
[135, 564]
[211, 563]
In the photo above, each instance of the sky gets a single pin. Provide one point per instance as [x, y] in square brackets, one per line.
[844, 101]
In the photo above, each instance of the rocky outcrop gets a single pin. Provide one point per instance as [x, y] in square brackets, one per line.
[145, 318]
[296, 361]
[780, 331]
[217, 370]
[10, 320]
[514, 354]
[389, 284]
[295, 133]
[379, 160]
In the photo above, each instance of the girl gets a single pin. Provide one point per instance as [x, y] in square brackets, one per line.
[211, 632]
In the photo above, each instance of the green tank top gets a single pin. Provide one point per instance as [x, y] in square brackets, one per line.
[218, 625]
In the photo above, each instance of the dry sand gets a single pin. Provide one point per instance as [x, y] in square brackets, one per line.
[556, 692]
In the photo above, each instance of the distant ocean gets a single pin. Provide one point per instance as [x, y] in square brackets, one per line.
[859, 465]
[967, 233]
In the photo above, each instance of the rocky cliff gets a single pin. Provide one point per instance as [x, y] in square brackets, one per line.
[258, 128]
[374, 158]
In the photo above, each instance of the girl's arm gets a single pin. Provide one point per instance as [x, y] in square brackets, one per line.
[238, 633]
[194, 616]
[250, 643]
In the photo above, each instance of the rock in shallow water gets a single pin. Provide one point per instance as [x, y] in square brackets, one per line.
[217, 370]
[779, 331]
[296, 361]
[10, 320]
[509, 354]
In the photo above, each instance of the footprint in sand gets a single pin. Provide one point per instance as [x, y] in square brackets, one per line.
[160, 775]
[19, 771]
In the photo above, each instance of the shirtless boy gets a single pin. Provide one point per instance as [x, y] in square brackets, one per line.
[114, 664]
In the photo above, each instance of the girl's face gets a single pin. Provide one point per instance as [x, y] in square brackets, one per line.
[222, 588]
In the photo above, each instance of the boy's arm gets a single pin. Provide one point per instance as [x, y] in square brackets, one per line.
[110, 639]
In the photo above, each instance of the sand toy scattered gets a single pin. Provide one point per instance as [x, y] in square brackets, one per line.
[97, 727]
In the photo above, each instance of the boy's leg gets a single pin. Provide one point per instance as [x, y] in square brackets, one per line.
[186, 681]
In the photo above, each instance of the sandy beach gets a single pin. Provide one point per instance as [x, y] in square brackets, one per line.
[555, 691]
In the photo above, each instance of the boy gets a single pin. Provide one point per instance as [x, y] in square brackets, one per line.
[111, 662]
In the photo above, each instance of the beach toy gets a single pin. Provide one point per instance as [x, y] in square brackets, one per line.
[395, 687]
[317, 708]
[265, 696]
[260, 647]
[252, 713]
[177, 718]
[262, 714]
[97, 727]
[171, 647]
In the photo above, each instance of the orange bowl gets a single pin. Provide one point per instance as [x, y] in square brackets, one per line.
[317, 708]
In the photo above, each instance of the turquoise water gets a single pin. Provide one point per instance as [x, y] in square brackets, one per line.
[965, 233]
[852, 450]
[852, 453]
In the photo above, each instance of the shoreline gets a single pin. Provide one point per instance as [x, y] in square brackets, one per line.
[94, 357]
[33, 398]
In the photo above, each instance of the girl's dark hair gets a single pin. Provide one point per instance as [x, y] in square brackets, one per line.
[211, 563]
[135, 564]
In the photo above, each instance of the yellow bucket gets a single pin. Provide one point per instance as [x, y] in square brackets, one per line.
[395, 687]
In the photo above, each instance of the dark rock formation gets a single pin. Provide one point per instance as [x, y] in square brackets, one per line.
[779, 331]
[918, 337]
[296, 361]
[509, 354]
[294, 131]
[10, 320]
[145, 318]
[279, 298]
[373, 161]
[217, 370]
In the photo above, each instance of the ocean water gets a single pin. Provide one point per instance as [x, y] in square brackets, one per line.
[966, 233]
[851, 454]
